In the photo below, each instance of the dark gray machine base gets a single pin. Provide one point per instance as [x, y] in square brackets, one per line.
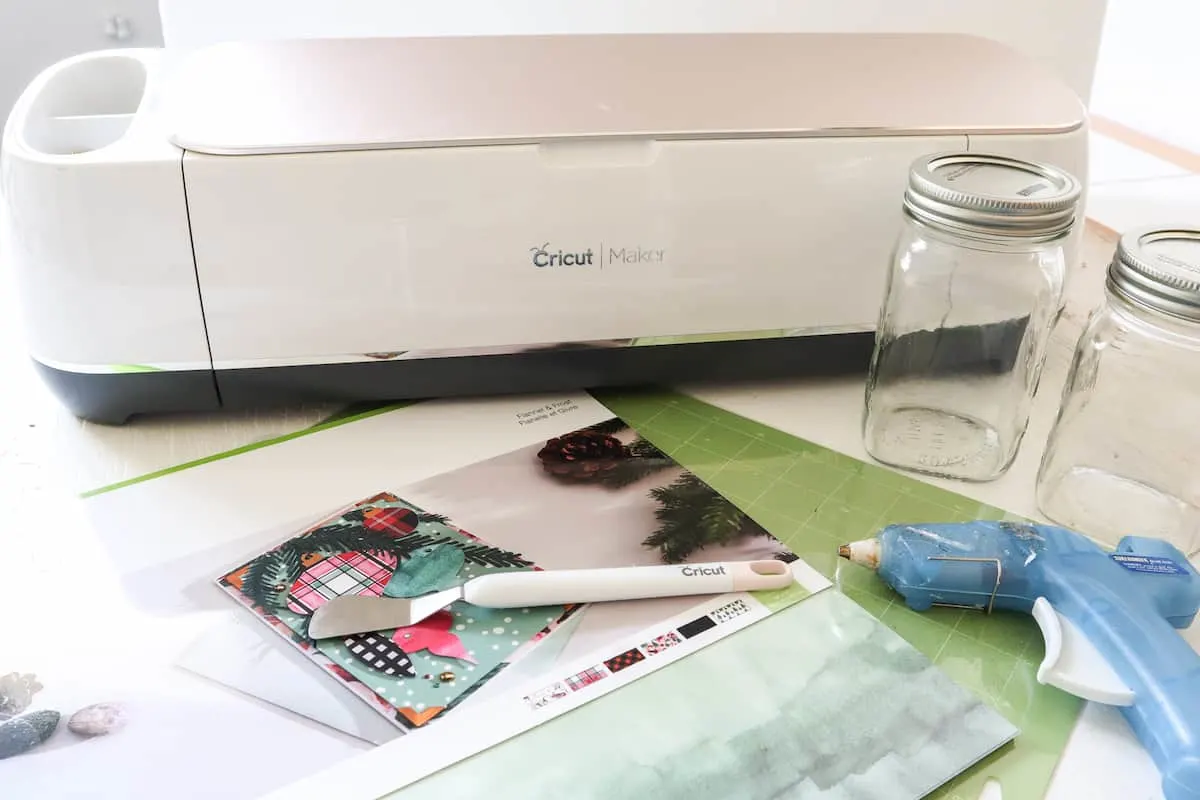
[114, 398]
[111, 399]
[564, 369]
[968, 350]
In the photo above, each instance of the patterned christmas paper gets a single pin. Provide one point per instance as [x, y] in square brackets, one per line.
[387, 546]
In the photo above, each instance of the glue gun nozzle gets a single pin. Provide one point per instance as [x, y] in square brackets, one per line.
[864, 553]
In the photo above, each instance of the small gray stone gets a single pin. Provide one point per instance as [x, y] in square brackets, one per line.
[97, 720]
[26, 732]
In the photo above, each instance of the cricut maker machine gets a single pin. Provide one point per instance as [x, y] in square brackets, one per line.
[371, 219]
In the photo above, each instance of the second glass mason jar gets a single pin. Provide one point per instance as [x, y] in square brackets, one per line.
[1123, 456]
[974, 289]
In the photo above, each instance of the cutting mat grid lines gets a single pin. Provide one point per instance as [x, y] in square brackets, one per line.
[743, 466]
[814, 499]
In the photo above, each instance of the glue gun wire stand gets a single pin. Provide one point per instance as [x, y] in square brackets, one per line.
[1110, 620]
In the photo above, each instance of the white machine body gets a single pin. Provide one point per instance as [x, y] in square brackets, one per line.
[365, 219]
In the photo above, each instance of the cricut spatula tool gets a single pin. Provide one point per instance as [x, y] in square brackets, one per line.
[342, 616]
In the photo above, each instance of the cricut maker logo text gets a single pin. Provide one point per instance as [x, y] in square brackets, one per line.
[545, 256]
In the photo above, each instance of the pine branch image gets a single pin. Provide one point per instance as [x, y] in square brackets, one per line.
[693, 516]
[487, 556]
[609, 427]
[477, 553]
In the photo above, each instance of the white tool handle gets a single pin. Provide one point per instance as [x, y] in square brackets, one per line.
[554, 587]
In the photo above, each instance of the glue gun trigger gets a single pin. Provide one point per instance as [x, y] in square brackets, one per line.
[1073, 664]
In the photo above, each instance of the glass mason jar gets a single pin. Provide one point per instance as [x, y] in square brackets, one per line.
[1123, 456]
[974, 289]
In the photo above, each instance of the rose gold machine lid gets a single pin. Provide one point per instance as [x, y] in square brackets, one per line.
[352, 94]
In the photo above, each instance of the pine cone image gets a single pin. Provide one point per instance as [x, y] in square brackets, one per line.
[582, 455]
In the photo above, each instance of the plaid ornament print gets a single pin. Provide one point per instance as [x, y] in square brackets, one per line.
[396, 521]
[585, 678]
[626, 659]
[345, 573]
[380, 653]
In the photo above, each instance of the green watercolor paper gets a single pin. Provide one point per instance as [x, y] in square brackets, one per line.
[819, 701]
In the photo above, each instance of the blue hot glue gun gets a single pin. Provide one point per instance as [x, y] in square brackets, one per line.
[1109, 619]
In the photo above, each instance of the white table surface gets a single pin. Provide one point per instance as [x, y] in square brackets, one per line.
[47, 457]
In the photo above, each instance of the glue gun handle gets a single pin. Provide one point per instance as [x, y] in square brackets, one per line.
[1157, 664]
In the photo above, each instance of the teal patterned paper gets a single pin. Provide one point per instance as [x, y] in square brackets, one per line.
[411, 675]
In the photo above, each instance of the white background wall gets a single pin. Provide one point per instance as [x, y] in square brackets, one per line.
[36, 33]
[1150, 68]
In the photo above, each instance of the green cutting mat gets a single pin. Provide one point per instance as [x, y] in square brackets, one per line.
[814, 499]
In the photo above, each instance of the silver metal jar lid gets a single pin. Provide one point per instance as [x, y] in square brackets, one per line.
[992, 196]
[1159, 268]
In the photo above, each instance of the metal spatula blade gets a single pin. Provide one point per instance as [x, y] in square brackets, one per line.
[343, 616]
